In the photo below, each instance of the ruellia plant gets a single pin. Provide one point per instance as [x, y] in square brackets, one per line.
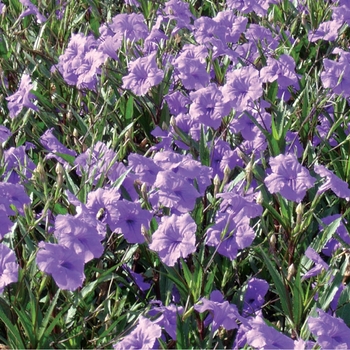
[174, 174]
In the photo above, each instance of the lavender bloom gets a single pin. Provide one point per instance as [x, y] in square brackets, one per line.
[168, 317]
[177, 103]
[180, 12]
[207, 106]
[63, 263]
[242, 87]
[341, 13]
[338, 186]
[13, 194]
[336, 76]
[254, 296]
[2, 8]
[282, 70]
[21, 98]
[288, 178]
[143, 74]
[331, 332]
[260, 7]
[333, 244]
[130, 221]
[326, 31]
[80, 63]
[228, 237]
[319, 263]
[129, 26]
[174, 238]
[104, 199]
[8, 267]
[96, 162]
[31, 10]
[175, 192]
[18, 164]
[222, 313]
[79, 235]
[234, 26]
[261, 336]
[50, 142]
[143, 336]
[145, 169]
[137, 279]
[192, 73]
[5, 223]
[5, 133]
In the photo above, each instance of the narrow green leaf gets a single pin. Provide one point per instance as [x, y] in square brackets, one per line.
[203, 149]
[279, 284]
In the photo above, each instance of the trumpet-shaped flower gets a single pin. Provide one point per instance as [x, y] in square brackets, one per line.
[22, 97]
[174, 238]
[8, 267]
[143, 74]
[63, 263]
[289, 178]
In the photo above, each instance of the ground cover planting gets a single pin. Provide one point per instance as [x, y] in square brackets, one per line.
[174, 174]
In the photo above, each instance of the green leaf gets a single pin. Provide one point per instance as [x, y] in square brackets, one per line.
[182, 333]
[279, 284]
[203, 149]
[13, 334]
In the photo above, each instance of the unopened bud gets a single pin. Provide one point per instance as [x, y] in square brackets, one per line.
[227, 172]
[273, 241]
[291, 272]
[59, 172]
[259, 198]
[40, 172]
[300, 211]
[216, 182]
[249, 172]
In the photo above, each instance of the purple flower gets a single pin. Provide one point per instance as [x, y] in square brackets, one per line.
[319, 263]
[8, 267]
[79, 235]
[5, 223]
[331, 332]
[21, 98]
[254, 296]
[180, 12]
[167, 318]
[96, 162]
[332, 245]
[288, 178]
[222, 313]
[243, 86]
[50, 142]
[336, 76]
[138, 279]
[282, 70]
[175, 192]
[15, 195]
[145, 169]
[338, 186]
[260, 336]
[63, 263]
[234, 26]
[177, 103]
[143, 336]
[143, 74]
[228, 237]
[131, 218]
[129, 26]
[18, 164]
[5, 133]
[207, 106]
[326, 31]
[174, 238]
[192, 73]
[31, 10]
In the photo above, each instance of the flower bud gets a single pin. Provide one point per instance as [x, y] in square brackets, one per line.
[300, 211]
[260, 198]
[60, 173]
[291, 272]
[216, 182]
[40, 173]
